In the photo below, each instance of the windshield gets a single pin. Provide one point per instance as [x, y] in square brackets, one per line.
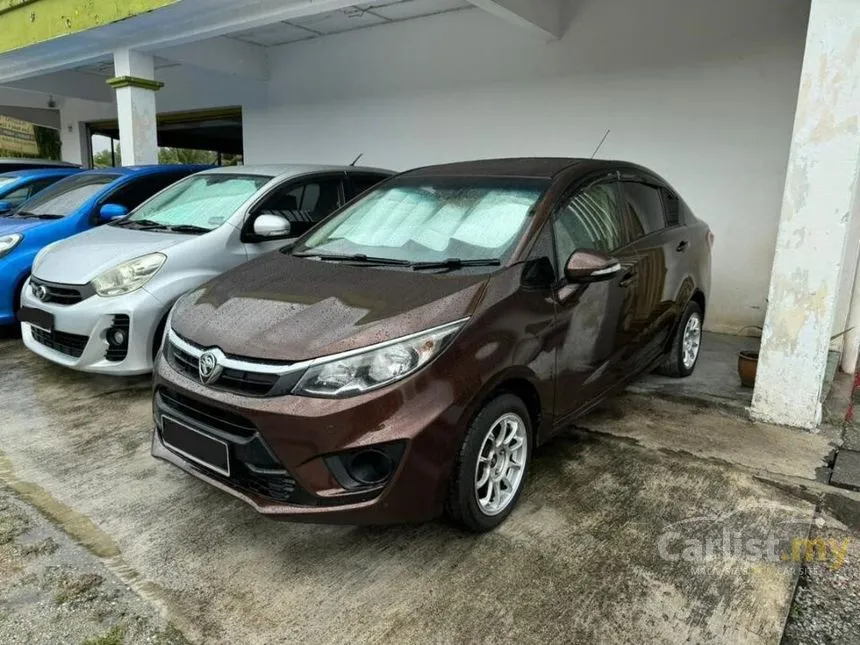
[199, 202]
[431, 221]
[66, 196]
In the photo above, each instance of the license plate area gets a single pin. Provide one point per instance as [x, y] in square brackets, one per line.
[37, 318]
[196, 446]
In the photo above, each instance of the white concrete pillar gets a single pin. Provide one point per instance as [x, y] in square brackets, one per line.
[821, 182]
[851, 345]
[135, 87]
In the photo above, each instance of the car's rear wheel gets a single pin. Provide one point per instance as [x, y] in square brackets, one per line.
[684, 354]
[491, 467]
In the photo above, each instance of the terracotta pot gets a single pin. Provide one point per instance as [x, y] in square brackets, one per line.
[747, 364]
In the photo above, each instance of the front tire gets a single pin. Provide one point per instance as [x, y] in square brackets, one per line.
[492, 465]
[684, 354]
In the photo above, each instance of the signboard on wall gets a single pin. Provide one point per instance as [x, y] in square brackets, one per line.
[17, 137]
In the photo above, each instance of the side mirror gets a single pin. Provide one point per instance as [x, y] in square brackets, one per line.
[271, 226]
[110, 212]
[588, 265]
[6, 206]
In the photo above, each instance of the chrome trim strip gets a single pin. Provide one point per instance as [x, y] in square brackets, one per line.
[281, 370]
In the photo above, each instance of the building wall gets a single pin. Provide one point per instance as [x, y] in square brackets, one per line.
[701, 92]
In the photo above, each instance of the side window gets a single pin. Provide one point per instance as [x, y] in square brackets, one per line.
[137, 191]
[18, 196]
[364, 181]
[303, 204]
[643, 208]
[591, 219]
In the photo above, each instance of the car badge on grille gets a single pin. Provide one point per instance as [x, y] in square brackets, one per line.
[40, 292]
[208, 367]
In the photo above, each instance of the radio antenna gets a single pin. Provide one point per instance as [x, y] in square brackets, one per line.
[597, 149]
[355, 161]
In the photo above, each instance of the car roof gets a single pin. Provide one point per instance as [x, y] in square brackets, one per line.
[40, 172]
[529, 167]
[283, 171]
[47, 163]
[149, 169]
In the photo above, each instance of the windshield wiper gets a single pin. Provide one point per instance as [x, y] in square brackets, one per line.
[456, 263]
[27, 215]
[187, 228]
[358, 257]
[139, 223]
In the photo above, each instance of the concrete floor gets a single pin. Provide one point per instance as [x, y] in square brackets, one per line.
[577, 561]
[716, 377]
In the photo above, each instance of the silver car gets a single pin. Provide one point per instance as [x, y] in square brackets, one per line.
[98, 301]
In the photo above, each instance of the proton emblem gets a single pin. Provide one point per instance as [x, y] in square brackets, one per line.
[40, 292]
[208, 367]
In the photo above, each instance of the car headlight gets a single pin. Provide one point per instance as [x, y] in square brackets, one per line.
[9, 242]
[128, 276]
[377, 366]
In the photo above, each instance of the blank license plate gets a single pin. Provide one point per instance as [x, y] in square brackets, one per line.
[196, 446]
[41, 319]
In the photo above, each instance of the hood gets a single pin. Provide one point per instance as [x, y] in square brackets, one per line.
[282, 308]
[20, 224]
[80, 258]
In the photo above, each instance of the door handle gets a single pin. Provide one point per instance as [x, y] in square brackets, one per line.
[683, 246]
[628, 279]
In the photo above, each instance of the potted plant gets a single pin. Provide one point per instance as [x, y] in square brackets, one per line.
[748, 360]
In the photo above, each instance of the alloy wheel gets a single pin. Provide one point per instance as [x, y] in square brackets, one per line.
[691, 341]
[501, 464]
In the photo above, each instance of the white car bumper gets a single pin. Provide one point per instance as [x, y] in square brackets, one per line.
[79, 337]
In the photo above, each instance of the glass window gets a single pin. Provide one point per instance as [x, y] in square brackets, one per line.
[202, 201]
[431, 220]
[134, 193]
[590, 220]
[67, 196]
[363, 182]
[305, 204]
[17, 196]
[644, 208]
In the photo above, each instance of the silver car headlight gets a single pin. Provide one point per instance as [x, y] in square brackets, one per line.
[128, 276]
[377, 366]
[9, 242]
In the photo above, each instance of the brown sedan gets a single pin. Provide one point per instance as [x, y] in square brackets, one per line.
[408, 354]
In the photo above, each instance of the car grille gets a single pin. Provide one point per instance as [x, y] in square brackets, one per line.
[231, 380]
[117, 353]
[59, 294]
[253, 467]
[69, 344]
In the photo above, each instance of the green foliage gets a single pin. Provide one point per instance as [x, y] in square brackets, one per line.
[48, 142]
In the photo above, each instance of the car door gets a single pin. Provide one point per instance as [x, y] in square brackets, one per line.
[654, 312]
[302, 202]
[593, 321]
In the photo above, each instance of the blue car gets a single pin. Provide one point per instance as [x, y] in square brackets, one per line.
[72, 205]
[18, 186]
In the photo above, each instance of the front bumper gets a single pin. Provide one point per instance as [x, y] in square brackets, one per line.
[422, 414]
[87, 323]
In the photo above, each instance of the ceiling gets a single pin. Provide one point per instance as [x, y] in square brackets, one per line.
[367, 14]
[105, 68]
